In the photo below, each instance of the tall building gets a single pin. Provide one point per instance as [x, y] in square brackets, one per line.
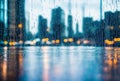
[58, 23]
[70, 21]
[2, 27]
[98, 32]
[2, 10]
[16, 20]
[1, 19]
[78, 35]
[112, 23]
[77, 28]
[87, 26]
[3, 16]
[42, 27]
[70, 26]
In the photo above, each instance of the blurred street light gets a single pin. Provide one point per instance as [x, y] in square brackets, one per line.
[20, 25]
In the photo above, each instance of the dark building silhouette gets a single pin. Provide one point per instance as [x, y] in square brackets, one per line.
[78, 34]
[16, 20]
[94, 31]
[77, 28]
[87, 26]
[2, 10]
[2, 27]
[99, 32]
[42, 27]
[3, 15]
[70, 21]
[58, 23]
[112, 23]
[70, 26]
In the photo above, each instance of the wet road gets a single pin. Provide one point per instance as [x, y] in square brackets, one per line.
[60, 64]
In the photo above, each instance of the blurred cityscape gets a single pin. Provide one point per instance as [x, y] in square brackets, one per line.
[103, 32]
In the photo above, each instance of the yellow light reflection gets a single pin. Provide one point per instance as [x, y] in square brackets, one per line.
[20, 62]
[4, 65]
[115, 61]
[45, 39]
[108, 42]
[116, 39]
[4, 70]
[20, 25]
[5, 42]
[12, 43]
[57, 41]
[111, 61]
[65, 40]
[70, 40]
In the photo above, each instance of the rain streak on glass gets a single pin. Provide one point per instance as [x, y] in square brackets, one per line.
[59, 40]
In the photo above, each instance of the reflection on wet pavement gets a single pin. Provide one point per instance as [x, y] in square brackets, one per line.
[59, 64]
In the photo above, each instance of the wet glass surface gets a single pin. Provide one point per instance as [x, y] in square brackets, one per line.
[60, 64]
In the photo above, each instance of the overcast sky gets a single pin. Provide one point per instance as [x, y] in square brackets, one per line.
[34, 8]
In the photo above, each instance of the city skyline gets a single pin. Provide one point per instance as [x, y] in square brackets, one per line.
[59, 31]
[39, 7]
[46, 40]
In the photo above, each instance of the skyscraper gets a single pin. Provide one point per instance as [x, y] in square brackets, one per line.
[2, 27]
[87, 26]
[2, 9]
[70, 26]
[16, 20]
[42, 27]
[58, 23]
[77, 28]
[2, 18]
[70, 21]
[112, 23]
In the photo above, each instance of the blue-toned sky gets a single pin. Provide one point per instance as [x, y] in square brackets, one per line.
[34, 8]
